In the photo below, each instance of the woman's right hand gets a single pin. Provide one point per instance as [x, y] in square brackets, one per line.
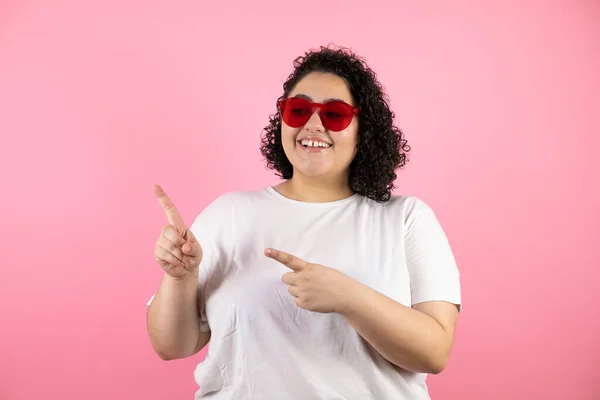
[177, 251]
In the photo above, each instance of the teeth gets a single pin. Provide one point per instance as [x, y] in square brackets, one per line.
[314, 143]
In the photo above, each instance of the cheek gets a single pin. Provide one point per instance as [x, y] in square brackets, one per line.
[347, 139]
[288, 138]
[287, 134]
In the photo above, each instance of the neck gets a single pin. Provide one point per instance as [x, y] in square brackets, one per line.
[315, 190]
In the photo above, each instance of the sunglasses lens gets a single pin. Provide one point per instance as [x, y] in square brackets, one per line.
[336, 116]
[296, 112]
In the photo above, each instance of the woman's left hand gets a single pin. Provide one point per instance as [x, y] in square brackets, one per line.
[315, 287]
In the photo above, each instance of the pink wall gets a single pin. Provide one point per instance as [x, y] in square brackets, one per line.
[99, 100]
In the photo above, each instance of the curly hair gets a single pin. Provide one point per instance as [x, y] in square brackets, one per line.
[381, 149]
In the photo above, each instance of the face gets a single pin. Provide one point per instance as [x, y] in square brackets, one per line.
[332, 151]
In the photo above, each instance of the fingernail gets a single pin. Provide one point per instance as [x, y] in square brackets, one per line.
[191, 262]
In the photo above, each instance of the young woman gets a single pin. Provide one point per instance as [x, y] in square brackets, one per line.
[325, 286]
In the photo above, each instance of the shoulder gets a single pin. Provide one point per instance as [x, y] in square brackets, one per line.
[239, 197]
[408, 210]
[236, 199]
[409, 202]
[402, 203]
[218, 212]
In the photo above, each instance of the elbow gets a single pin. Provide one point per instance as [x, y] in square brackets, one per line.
[168, 356]
[439, 356]
[437, 364]
[436, 368]
[165, 355]
[168, 351]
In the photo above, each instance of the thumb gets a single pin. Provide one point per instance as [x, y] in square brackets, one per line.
[191, 247]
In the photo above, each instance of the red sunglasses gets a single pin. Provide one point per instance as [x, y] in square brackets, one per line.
[335, 115]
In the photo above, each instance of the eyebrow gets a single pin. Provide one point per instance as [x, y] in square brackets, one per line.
[303, 96]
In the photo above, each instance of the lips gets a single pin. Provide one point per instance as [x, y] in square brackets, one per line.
[314, 141]
[314, 144]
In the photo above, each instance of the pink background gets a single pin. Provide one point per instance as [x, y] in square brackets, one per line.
[99, 100]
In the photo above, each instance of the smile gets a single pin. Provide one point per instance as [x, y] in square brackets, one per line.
[314, 144]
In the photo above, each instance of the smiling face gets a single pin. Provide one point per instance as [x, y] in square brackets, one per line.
[313, 150]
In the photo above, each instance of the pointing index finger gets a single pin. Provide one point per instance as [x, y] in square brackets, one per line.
[169, 208]
[290, 261]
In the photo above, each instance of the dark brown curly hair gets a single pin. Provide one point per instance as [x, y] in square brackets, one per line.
[382, 148]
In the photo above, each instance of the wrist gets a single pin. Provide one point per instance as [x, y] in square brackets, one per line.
[191, 277]
[352, 293]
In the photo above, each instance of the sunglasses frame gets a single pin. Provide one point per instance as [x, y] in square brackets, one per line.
[318, 106]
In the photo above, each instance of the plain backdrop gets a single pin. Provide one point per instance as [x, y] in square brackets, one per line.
[101, 99]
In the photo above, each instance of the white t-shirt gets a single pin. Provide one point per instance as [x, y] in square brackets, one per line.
[263, 346]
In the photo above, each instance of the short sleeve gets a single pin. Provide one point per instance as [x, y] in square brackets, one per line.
[212, 230]
[434, 274]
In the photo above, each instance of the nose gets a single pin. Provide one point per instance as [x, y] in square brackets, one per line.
[315, 123]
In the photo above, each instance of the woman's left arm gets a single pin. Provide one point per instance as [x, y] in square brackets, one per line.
[420, 338]
[417, 339]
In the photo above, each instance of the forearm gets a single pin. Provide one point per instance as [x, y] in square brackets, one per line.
[408, 338]
[173, 317]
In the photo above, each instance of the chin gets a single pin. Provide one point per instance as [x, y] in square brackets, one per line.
[311, 173]
[328, 174]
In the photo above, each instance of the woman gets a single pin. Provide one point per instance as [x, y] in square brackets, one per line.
[324, 286]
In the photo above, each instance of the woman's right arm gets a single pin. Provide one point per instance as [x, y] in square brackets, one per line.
[173, 321]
